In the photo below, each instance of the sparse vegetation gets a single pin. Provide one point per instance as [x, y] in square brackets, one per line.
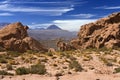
[31, 51]
[22, 71]
[106, 61]
[38, 69]
[117, 70]
[103, 49]
[3, 60]
[1, 49]
[9, 67]
[3, 72]
[49, 54]
[13, 53]
[66, 61]
[75, 65]
[34, 69]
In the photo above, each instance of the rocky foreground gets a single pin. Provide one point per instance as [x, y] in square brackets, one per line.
[90, 64]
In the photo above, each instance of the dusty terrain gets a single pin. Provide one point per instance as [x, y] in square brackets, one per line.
[90, 64]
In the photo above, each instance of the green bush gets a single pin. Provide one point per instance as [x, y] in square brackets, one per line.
[38, 69]
[3, 60]
[75, 65]
[117, 70]
[34, 69]
[13, 53]
[31, 51]
[22, 71]
[49, 54]
[9, 67]
[2, 72]
[1, 49]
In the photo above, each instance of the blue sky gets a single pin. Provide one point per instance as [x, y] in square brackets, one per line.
[67, 14]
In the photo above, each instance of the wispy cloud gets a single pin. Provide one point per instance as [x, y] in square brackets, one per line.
[32, 9]
[108, 7]
[42, 2]
[83, 15]
[6, 14]
[38, 25]
[5, 1]
[49, 11]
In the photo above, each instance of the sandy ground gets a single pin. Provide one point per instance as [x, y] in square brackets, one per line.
[94, 69]
[77, 76]
[90, 76]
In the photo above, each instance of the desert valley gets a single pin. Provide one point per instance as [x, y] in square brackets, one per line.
[55, 54]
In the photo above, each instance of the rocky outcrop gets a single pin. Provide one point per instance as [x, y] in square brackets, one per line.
[103, 33]
[14, 37]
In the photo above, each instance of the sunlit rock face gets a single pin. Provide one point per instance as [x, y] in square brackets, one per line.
[103, 33]
[14, 37]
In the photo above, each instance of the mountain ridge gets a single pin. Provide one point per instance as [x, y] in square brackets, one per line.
[53, 27]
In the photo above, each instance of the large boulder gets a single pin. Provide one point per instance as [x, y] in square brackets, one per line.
[103, 33]
[14, 37]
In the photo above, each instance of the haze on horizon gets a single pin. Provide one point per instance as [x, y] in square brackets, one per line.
[67, 14]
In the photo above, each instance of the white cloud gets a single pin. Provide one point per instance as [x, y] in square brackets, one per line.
[4, 2]
[6, 14]
[115, 7]
[34, 2]
[83, 15]
[35, 25]
[44, 11]
[108, 7]
[43, 2]
[72, 25]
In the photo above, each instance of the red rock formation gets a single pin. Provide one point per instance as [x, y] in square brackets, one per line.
[14, 37]
[103, 33]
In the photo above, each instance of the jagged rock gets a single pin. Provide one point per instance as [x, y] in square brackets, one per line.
[14, 37]
[103, 33]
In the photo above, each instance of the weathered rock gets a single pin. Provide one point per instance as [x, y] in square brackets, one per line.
[14, 37]
[63, 46]
[103, 33]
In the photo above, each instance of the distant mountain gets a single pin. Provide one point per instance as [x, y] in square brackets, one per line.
[39, 29]
[51, 34]
[53, 27]
[2, 24]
